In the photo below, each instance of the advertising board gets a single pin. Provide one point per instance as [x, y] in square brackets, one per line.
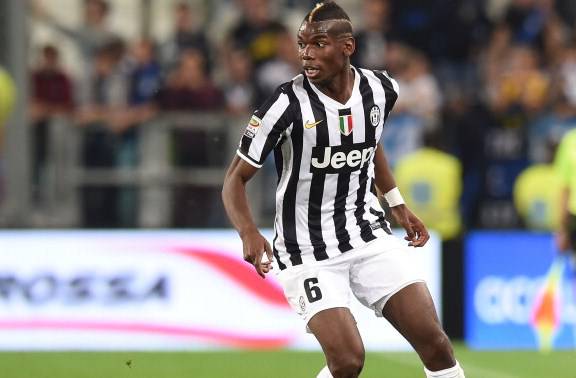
[520, 292]
[156, 290]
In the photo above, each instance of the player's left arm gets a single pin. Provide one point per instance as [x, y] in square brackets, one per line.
[416, 233]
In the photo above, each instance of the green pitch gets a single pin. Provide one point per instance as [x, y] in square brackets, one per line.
[276, 364]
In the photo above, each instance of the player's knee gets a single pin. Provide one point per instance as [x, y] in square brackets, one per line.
[438, 353]
[348, 366]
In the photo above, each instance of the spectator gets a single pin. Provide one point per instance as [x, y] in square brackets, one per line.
[143, 82]
[555, 120]
[145, 74]
[371, 40]
[282, 68]
[452, 50]
[256, 31]
[520, 85]
[412, 22]
[103, 95]
[186, 36]
[189, 87]
[421, 95]
[52, 88]
[239, 89]
[108, 139]
[492, 58]
[91, 36]
[52, 95]
[556, 38]
[396, 58]
[497, 102]
[405, 127]
[526, 20]
[567, 79]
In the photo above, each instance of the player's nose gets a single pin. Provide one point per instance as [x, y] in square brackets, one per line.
[305, 53]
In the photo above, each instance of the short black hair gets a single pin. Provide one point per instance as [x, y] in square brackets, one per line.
[327, 10]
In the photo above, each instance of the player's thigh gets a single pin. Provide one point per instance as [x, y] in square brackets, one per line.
[411, 311]
[383, 267]
[336, 331]
[311, 289]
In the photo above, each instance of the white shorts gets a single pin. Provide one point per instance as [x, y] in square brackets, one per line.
[373, 273]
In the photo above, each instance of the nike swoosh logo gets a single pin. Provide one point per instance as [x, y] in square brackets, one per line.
[310, 125]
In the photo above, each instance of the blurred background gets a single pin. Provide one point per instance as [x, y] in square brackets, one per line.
[138, 104]
[123, 114]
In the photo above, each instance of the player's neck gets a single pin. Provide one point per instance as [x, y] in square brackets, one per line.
[340, 87]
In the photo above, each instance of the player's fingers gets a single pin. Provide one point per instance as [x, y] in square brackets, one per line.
[248, 255]
[258, 263]
[266, 267]
[259, 270]
[423, 235]
[410, 234]
[426, 236]
[269, 253]
[249, 258]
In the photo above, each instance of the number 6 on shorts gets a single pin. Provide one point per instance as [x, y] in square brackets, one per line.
[313, 293]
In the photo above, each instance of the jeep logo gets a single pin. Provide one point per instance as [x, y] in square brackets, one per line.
[341, 159]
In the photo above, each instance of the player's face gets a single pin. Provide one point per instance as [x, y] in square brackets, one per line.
[322, 55]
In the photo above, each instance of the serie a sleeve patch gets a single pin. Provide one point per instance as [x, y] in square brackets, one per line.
[253, 127]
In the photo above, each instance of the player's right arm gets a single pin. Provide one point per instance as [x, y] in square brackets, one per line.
[263, 133]
[236, 205]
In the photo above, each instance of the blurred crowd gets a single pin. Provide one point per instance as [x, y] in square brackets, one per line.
[491, 83]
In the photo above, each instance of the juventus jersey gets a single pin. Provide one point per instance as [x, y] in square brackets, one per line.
[326, 201]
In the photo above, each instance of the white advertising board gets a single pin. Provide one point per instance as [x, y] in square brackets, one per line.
[156, 290]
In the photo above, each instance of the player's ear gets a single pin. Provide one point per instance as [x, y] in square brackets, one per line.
[349, 46]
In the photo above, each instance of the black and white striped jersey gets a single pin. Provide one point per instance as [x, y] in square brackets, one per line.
[324, 150]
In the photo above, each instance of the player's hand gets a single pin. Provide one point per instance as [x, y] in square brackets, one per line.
[254, 246]
[416, 233]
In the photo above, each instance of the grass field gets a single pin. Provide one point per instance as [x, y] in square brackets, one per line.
[279, 364]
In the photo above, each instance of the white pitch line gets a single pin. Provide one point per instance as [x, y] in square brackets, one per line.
[471, 371]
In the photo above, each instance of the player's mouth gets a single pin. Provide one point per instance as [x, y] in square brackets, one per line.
[311, 72]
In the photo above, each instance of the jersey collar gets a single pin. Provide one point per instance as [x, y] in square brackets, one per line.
[338, 105]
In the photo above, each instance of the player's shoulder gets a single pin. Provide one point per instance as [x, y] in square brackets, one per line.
[380, 77]
[288, 87]
[280, 99]
[374, 74]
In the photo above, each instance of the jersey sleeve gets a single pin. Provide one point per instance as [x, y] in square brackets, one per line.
[265, 128]
[391, 90]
